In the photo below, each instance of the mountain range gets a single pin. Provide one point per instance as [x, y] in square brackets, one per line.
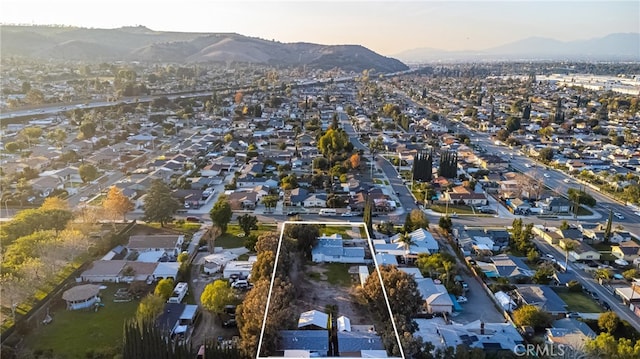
[142, 44]
[613, 47]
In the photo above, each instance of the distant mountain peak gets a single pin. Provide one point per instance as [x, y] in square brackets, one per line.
[612, 47]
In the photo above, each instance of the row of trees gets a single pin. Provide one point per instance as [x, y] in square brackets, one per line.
[250, 314]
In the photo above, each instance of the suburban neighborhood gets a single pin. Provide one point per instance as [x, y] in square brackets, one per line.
[239, 210]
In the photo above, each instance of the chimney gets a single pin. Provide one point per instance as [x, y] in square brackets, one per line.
[481, 328]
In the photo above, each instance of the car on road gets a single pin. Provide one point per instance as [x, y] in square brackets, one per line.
[84, 199]
[618, 215]
[462, 299]
[292, 213]
[349, 214]
[566, 180]
[546, 175]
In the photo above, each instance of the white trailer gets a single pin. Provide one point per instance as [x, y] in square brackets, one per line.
[179, 292]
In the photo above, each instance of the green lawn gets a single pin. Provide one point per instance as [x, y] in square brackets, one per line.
[234, 237]
[441, 208]
[341, 230]
[338, 274]
[73, 333]
[578, 301]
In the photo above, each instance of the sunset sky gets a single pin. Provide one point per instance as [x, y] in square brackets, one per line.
[383, 26]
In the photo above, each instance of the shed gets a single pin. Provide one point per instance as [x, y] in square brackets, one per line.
[344, 324]
[313, 319]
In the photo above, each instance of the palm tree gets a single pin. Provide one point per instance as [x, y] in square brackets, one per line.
[447, 266]
[568, 246]
[603, 274]
[407, 241]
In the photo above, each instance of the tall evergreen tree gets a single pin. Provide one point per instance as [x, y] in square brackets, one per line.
[159, 205]
[607, 230]
[367, 215]
[423, 166]
[448, 164]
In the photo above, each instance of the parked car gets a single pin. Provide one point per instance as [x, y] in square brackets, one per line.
[292, 213]
[241, 284]
[462, 299]
[349, 214]
[193, 219]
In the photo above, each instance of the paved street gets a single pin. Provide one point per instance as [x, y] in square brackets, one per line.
[588, 282]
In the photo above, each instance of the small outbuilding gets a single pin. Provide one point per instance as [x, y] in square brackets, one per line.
[82, 296]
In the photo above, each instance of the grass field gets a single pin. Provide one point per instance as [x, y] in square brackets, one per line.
[73, 333]
[578, 301]
[341, 230]
[338, 274]
[234, 237]
[452, 208]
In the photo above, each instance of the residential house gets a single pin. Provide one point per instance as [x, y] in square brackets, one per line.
[46, 185]
[303, 343]
[243, 200]
[295, 197]
[315, 200]
[555, 205]
[548, 234]
[490, 337]
[628, 251]
[436, 298]
[461, 195]
[333, 249]
[239, 268]
[570, 332]
[168, 243]
[493, 163]
[423, 243]
[510, 267]
[584, 252]
[542, 296]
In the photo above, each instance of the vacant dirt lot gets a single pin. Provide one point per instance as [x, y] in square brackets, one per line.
[330, 284]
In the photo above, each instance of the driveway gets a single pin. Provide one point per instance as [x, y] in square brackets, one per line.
[479, 306]
[209, 326]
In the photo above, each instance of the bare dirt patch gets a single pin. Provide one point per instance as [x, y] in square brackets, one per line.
[315, 292]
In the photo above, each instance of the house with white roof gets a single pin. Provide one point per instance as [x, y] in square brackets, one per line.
[423, 243]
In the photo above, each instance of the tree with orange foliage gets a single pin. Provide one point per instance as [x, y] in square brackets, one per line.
[117, 204]
[355, 160]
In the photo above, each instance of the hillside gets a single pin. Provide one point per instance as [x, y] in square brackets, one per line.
[142, 44]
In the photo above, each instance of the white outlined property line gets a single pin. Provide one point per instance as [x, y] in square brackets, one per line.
[275, 268]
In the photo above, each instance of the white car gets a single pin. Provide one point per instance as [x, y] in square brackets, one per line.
[348, 214]
[566, 180]
[618, 215]
[462, 299]
[546, 175]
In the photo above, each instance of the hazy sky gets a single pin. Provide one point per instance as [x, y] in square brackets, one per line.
[387, 27]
